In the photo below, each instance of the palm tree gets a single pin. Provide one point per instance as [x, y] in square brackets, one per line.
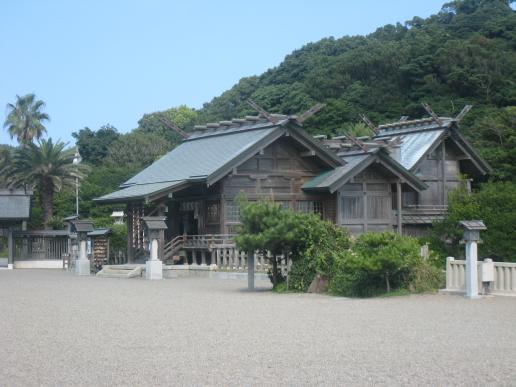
[25, 118]
[45, 166]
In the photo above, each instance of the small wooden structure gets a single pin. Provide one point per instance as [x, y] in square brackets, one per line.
[15, 208]
[99, 247]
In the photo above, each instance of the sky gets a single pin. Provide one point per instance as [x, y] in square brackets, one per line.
[103, 62]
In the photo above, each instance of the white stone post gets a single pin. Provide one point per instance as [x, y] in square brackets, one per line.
[82, 265]
[471, 270]
[472, 230]
[154, 267]
[449, 273]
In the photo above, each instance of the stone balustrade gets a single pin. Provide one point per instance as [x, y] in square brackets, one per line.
[504, 276]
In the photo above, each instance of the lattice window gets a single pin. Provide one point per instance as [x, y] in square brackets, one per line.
[310, 206]
[212, 212]
[232, 212]
[285, 204]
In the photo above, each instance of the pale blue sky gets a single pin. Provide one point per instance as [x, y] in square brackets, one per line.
[98, 62]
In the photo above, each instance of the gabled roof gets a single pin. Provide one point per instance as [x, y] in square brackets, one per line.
[210, 153]
[356, 162]
[420, 137]
[417, 137]
[14, 204]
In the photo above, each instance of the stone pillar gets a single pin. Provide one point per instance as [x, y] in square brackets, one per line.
[449, 273]
[471, 269]
[472, 230]
[250, 270]
[82, 265]
[154, 267]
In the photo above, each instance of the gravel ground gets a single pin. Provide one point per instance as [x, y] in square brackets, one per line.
[58, 329]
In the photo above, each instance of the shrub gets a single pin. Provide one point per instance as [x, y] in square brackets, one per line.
[380, 262]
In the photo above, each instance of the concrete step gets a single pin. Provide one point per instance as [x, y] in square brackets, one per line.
[120, 271]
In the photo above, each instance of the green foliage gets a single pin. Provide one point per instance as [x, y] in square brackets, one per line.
[137, 149]
[380, 262]
[161, 123]
[495, 204]
[25, 119]
[94, 145]
[118, 238]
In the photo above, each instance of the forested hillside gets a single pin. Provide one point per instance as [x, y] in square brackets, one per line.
[465, 54]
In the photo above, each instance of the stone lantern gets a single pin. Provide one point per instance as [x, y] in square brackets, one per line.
[154, 225]
[472, 230]
[82, 228]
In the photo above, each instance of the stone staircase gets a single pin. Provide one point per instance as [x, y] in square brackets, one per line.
[120, 271]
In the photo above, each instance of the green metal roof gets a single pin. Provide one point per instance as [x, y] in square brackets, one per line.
[137, 191]
[356, 163]
[209, 154]
[201, 156]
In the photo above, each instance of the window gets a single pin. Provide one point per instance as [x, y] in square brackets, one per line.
[232, 212]
[212, 212]
[352, 207]
[310, 206]
[285, 204]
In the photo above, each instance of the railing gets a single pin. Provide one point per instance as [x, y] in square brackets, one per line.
[504, 276]
[222, 253]
[228, 258]
[40, 245]
[208, 242]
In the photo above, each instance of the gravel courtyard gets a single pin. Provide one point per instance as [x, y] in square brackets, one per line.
[58, 329]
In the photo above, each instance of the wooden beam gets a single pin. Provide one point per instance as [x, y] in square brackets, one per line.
[357, 142]
[171, 125]
[262, 111]
[368, 122]
[309, 153]
[434, 116]
[463, 112]
[309, 113]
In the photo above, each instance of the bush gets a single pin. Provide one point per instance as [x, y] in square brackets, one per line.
[381, 262]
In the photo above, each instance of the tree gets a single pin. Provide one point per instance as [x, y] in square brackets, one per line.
[269, 229]
[94, 145]
[46, 166]
[161, 123]
[137, 149]
[25, 118]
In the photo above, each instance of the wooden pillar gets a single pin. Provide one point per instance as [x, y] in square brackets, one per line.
[130, 250]
[10, 248]
[399, 205]
[364, 195]
[443, 173]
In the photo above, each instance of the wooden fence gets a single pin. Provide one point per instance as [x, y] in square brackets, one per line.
[40, 245]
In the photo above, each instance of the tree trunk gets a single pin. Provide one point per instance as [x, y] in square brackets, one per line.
[387, 283]
[46, 201]
[274, 271]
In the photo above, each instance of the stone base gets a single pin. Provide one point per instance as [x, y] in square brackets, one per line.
[82, 267]
[9, 266]
[154, 269]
